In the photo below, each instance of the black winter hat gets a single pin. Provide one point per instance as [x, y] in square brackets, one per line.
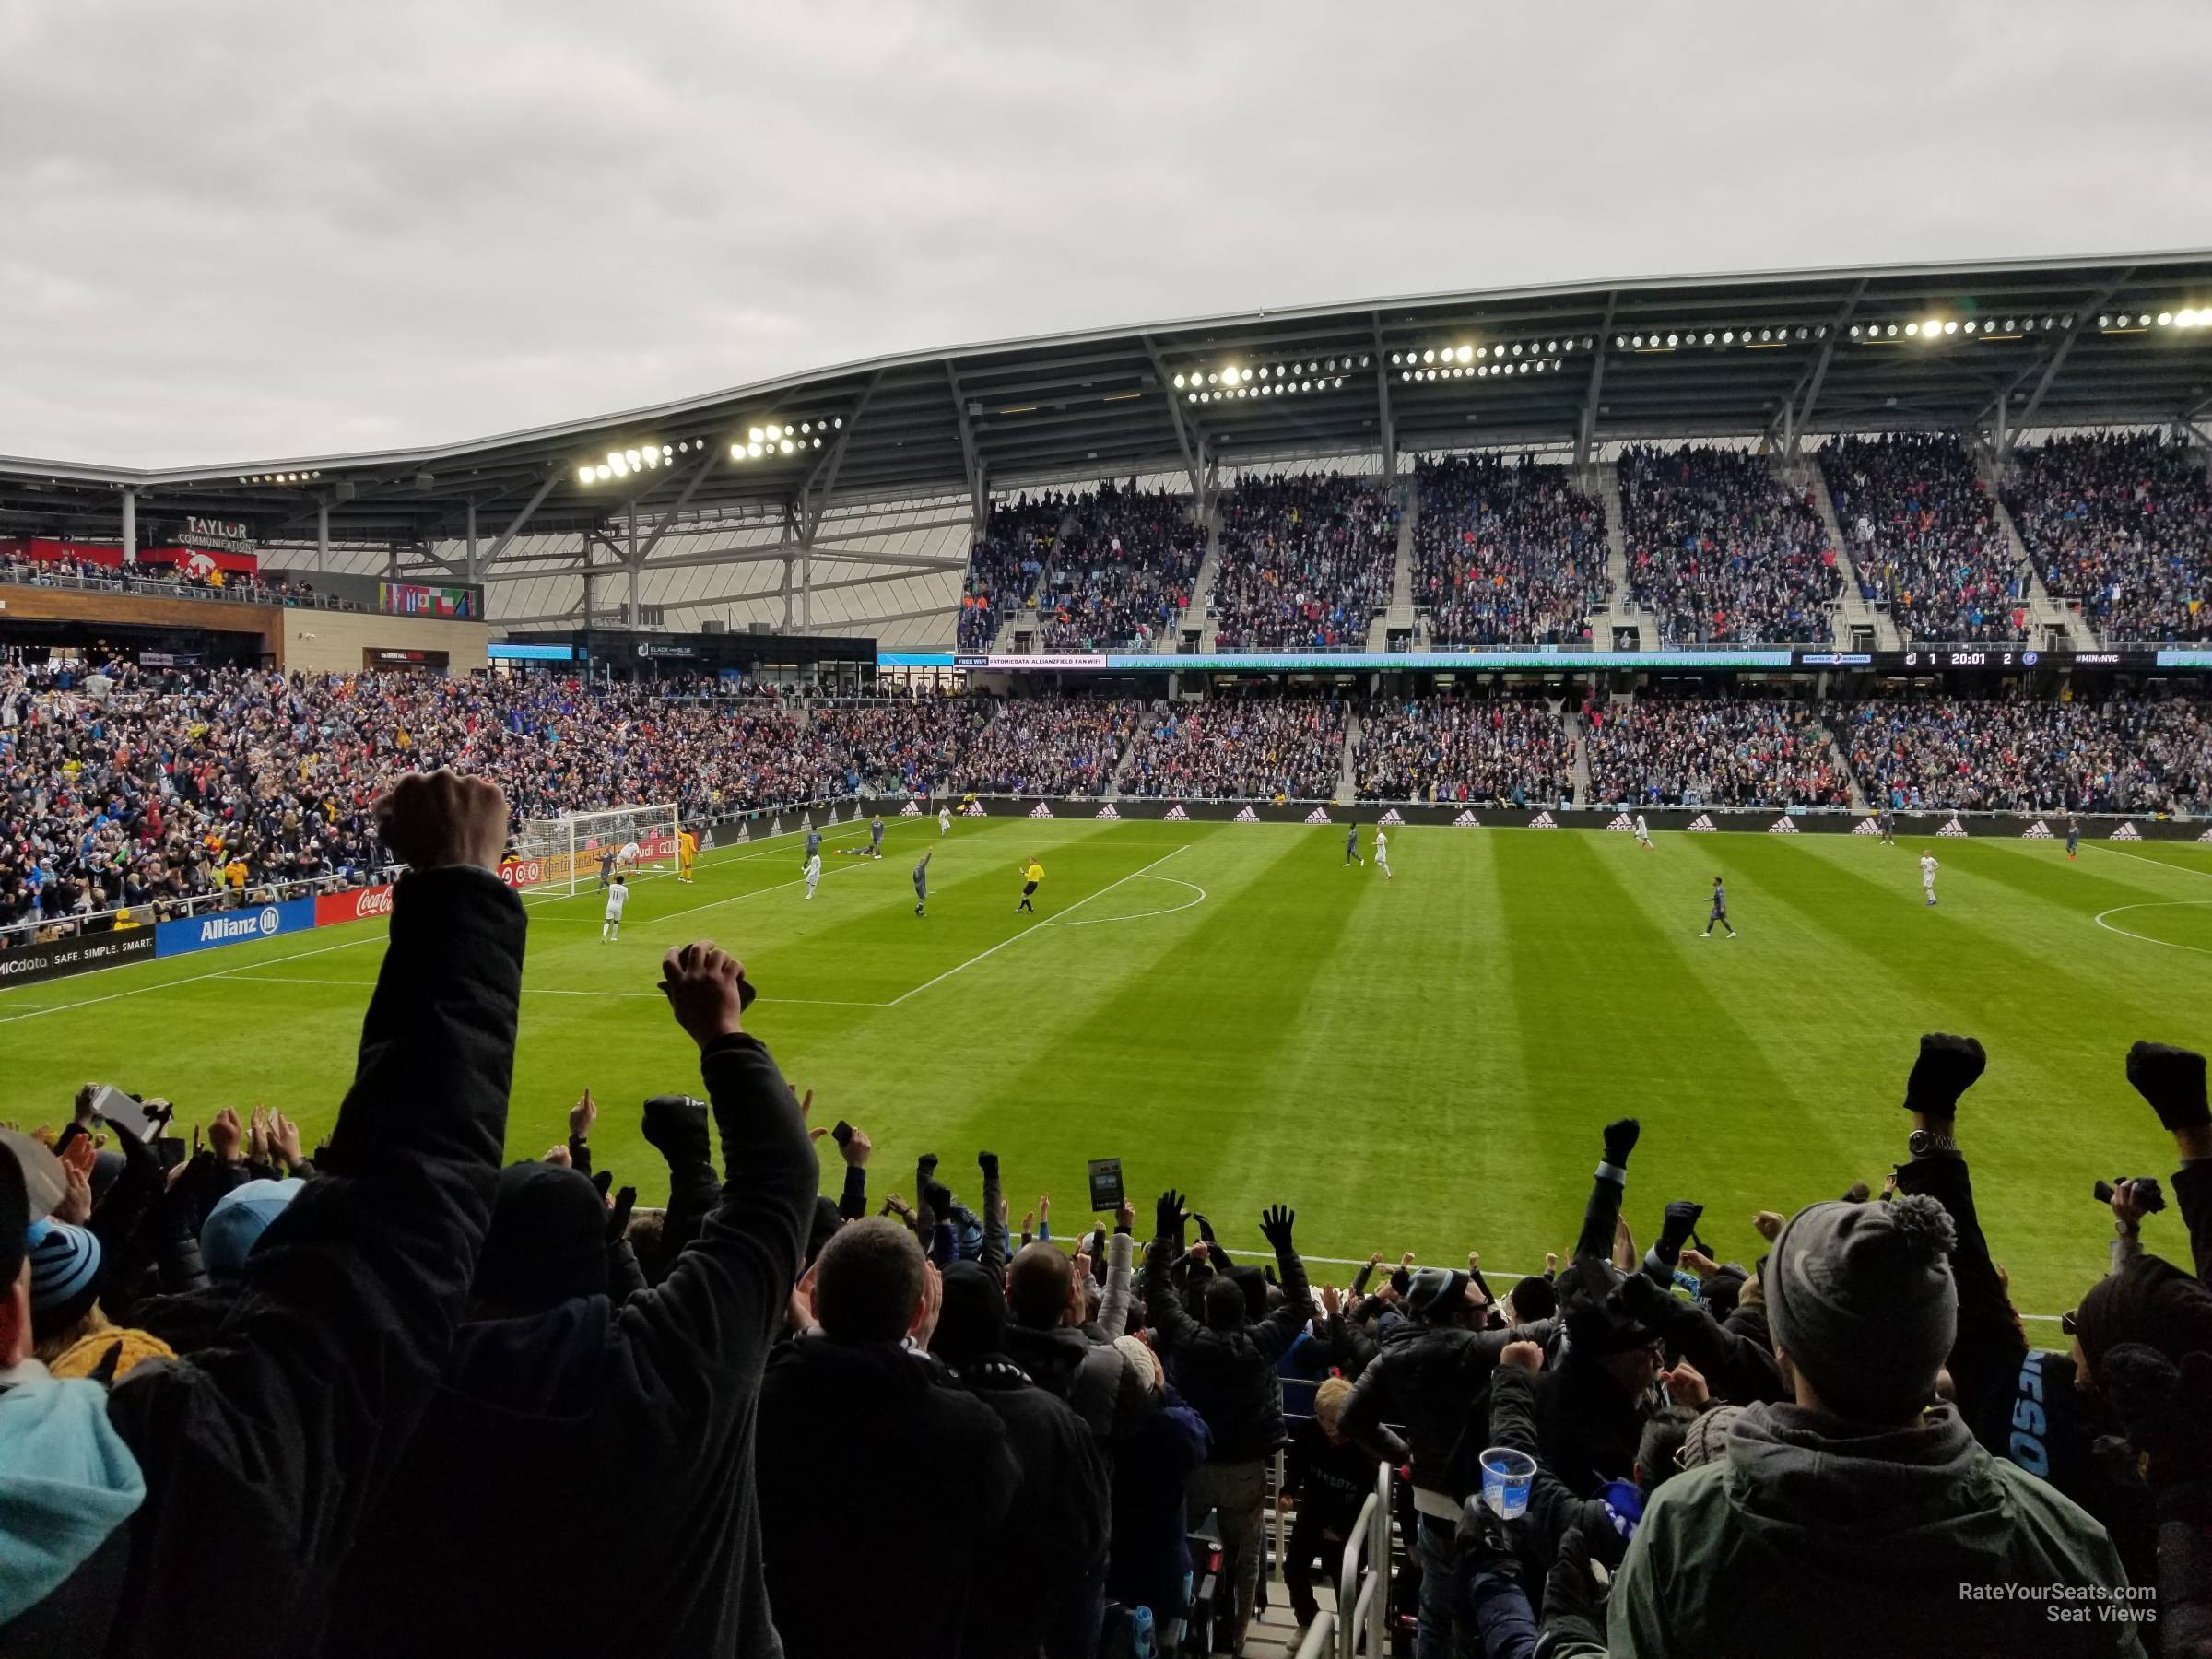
[547, 1241]
[1599, 1321]
[15, 1216]
[971, 1317]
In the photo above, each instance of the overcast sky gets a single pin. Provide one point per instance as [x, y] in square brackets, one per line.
[235, 232]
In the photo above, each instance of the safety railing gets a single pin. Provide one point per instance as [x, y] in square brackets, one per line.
[145, 914]
[1363, 1596]
[244, 593]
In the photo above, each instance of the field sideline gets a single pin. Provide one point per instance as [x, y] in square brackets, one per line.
[1422, 1064]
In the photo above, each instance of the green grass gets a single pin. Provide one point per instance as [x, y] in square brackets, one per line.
[1417, 1064]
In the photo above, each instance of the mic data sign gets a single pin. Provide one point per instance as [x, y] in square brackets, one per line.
[233, 927]
[25, 964]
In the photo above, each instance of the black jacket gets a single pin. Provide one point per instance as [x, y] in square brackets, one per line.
[1431, 1378]
[1589, 1429]
[1049, 1562]
[262, 1451]
[1229, 1376]
[879, 1478]
[638, 1413]
[1095, 1378]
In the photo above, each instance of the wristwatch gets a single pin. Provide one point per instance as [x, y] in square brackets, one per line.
[1922, 1141]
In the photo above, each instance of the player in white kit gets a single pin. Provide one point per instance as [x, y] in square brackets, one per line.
[628, 858]
[1927, 875]
[944, 821]
[814, 872]
[617, 900]
[1382, 854]
[1643, 831]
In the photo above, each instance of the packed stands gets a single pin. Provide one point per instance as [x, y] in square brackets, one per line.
[1123, 570]
[1244, 747]
[2029, 757]
[1004, 565]
[1464, 748]
[1052, 745]
[1925, 537]
[1722, 550]
[56, 564]
[1306, 562]
[2124, 524]
[1506, 555]
[1659, 751]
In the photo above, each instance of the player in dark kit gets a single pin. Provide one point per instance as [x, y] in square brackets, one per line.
[922, 881]
[814, 845]
[1351, 846]
[607, 866]
[875, 835]
[2073, 836]
[1720, 910]
[1889, 821]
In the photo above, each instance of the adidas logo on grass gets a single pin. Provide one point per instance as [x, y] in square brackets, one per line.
[1543, 820]
[1318, 816]
[2206, 836]
[1391, 818]
[1175, 815]
[1466, 820]
[1954, 827]
[1245, 815]
[1621, 821]
[1041, 810]
[1107, 813]
[1701, 825]
[2039, 831]
[910, 810]
[1782, 825]
[2125, 832]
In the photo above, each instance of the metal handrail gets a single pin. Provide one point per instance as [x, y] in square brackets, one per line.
[1365, 1611]
[171, 910]
[1321, 1636]
[248, 593]
[1347, 1578]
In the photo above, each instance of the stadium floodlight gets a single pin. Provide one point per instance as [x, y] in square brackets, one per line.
[753, 435]
[1950, 327]
[603, 472]
[585, 474]
[2184, 318]
[2165, 319]
[1673, 340]
[1467, 353]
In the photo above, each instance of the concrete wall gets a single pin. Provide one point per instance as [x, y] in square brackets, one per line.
[333, 642]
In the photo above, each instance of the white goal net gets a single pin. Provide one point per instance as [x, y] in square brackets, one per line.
[563, 853]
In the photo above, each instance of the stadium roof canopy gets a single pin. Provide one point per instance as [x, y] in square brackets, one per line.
[1995, 347]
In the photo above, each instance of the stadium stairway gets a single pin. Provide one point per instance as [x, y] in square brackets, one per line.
[1853, 612]
[1347, 768]
[1027, 616]
[1398, 614]
[1842, 760]
[1572, 721]
[1604, 482]
[1202, 590]
[2044, 613]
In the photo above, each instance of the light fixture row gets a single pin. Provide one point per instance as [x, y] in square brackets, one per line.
[1676, 340]
[773, 438]
[1444, 356]
[2189, 316]
[1323, 374]
[776, 438]
[283, 477]
[1271, 387]
[1456, 371]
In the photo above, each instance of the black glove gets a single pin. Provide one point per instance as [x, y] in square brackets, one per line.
[2173, 1080]
[1205, 1227]
[1642, 1299]
[1620, 1140]
[1167, 1214]
[925, 1168]
[600, 1181]
[1946, 1068]
[1275, 1227]
[2168, 1415]
[987, 1162]
[676, 1127]
[618, 1218]
[1574, 1608]
[1675, 1230]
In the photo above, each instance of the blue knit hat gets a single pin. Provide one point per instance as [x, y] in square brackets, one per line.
[65, 1264]
[239, 1218]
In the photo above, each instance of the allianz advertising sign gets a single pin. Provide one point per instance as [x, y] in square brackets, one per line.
[233, 927]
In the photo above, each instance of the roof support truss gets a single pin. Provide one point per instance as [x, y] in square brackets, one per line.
[971, 459]
[1587, 429]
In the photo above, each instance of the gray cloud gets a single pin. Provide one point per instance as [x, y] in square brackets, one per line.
[237, 230]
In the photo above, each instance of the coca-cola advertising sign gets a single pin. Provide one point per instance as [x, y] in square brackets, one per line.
[355, 904]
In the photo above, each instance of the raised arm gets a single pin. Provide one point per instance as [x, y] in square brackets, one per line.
[1274, 1334]
[279, 1432]
[2173, 1080]
[725, 1296]
[1170, 1321]
[1601, 1214]
[995, 1233]
[1121, 1247]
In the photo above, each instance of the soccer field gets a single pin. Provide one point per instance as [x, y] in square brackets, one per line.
[1421, 1063]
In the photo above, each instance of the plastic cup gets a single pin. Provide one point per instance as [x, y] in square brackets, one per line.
[1507, 1475]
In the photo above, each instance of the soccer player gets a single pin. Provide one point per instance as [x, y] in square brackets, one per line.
[1351, 847]
[814, 872]
[630, 855]
[1643, 831]
[1031, 874]
[1927, 875]
[687, 854]
[2073, 836]
[606, 867]
[1720, 910]
[1382, 854]
[617, 900]
[814, 849]
[944, 822]
[922, 880]
[1888, 823]
[875, 835]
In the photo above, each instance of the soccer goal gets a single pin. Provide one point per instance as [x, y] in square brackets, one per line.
[563, 853]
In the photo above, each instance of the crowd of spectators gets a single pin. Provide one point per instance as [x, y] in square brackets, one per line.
[1457, 749]
[1722, 550]
[2122, 522]
[2029, 757]
[17, 564]
[1004, 563]
[1123, 570]
[1659, 751]
[1243, 748]
[1049, 745]
[1306, 562]
[373, 1375]
[1925, 537]
[1506, 554]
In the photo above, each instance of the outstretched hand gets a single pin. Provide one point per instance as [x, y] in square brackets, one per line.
[1168, 1214]
[1275, 1227]
[1946, 1068]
